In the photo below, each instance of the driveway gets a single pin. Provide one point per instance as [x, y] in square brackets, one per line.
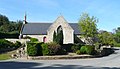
[108, 62]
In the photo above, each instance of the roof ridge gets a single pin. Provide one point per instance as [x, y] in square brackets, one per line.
[44, 22]
[38, 23]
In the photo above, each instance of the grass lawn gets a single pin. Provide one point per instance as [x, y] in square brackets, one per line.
[4, 56]
[7, 55]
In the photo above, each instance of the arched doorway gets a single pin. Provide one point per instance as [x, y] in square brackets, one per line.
[44, 39]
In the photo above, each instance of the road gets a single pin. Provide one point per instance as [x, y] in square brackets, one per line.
[108, 62]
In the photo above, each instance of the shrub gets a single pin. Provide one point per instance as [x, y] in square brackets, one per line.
[78, 52]
[75, 48]
[39, 48]
[62, 52]
[9, 35]
[117, 44]
[90, 50]
[87, 50]
[45, 50]
[33, 39]
[67, 47]
[83, 49]
[31, 49]
[53, 48]
[4, 44]
[106, 51]
[17, 44]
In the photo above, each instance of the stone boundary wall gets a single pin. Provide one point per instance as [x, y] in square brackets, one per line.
[20, 40]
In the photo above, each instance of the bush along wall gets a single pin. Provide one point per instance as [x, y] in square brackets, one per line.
[88, 50]
[33, 40]
[45, 49]
[52, 49]
[39, 49]
[9, 35]
[75, 47]
[34, 49]
[6, 46]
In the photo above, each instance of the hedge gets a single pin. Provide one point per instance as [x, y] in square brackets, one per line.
[34, 49]
[6, 45]
[45, 49]
[31, 49]
[33, 40]
[8, 35]
[75, 47]
[87, 50]
[53, 49]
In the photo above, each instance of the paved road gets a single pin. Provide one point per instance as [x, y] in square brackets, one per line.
[109, 62]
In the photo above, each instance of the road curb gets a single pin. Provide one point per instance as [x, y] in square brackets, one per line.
[61, 57]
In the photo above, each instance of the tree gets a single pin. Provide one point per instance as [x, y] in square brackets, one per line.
[3, 20]
[87, 26]
[54, 36]
[7, 26]
[106, 38]
[58, 37]
[117, 35]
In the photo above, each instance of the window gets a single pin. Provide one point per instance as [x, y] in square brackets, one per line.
[59, 29]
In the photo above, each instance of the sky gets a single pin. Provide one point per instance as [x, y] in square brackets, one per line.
[106, 11]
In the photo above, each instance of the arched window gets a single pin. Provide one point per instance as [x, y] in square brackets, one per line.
[60, 35]
[59, 29]
[44, 39]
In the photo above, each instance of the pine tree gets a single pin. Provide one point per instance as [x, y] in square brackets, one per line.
[54, 36]
[58, 37]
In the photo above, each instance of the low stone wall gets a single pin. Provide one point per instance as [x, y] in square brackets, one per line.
[20, 40]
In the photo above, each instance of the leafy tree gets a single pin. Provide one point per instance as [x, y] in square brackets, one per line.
[106, 38]
[87, 26]
[9, 27]
[3, 20]
[117, 35]
[5, 28]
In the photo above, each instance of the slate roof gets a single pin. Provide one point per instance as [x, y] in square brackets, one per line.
[41, 28]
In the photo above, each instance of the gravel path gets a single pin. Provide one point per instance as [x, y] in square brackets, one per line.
[108, 62]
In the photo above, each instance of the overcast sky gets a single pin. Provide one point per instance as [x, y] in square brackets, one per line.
[107, 11]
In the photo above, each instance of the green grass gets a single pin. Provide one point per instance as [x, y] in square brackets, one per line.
[4, 56]
[7, 55]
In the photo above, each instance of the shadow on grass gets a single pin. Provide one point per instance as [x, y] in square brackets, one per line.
[32, 65]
